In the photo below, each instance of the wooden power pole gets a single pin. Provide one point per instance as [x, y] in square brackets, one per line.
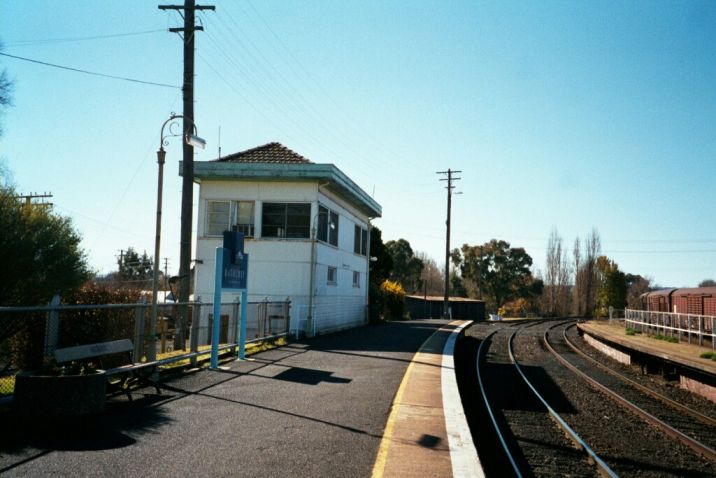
[450, 178]
[187, 197]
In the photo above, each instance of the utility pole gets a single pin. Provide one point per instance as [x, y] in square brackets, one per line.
[29, 197]
[187, 197]
[166, 269]
[450, 187]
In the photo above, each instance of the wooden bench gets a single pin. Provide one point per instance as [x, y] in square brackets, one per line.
[129, 374]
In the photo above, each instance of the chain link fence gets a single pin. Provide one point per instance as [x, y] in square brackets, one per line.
[180, 334]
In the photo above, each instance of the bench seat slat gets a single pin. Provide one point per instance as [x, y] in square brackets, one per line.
[130, 367]
[81, 352]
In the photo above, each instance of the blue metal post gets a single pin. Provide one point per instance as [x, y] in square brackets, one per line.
[244, 319]
[219, 260]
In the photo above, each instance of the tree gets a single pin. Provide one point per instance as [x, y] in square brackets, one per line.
[381, 267]
[40, 253]
[41, 257]
[431, 276]
[636, 287]
[585, 274]
[379, 270]
[501, 272]
[406, 266]
[134, 270]
[707, 283]
[557, 278]
[5, 92]
[612, 287]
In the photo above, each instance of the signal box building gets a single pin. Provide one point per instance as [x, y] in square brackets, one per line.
[306, 228]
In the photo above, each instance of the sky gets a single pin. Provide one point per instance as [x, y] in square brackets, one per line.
[566, 115]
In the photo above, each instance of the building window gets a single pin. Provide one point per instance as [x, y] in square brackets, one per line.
[291, 220]
[327, 226]
[218, 216]
[356, 279]
[360, 241]
[332, 276]
[244, 213]
[224, 215]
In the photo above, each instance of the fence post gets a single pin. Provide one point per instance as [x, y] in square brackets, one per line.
[139, 331]
[237, 325]
[194, 334]
[52, 327]
[287, 315]
[701, 330]
[244, 320]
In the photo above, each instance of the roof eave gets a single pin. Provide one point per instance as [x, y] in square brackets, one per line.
[337, 180]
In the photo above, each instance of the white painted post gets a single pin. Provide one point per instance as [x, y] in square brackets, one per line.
[194, 337]
[216, 331]
[242, 332]
[139, 331]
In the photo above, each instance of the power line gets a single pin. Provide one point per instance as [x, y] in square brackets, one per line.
[77, 70]
[77, 39]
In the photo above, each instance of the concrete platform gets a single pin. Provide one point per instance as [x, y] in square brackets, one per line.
[427, 433]
[681, 353]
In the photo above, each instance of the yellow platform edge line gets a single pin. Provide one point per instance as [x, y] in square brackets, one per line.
[382, 457]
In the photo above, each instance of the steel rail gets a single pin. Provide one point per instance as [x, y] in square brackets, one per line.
[511, 459]
[695, 445]
[602, 466]
[668, 401]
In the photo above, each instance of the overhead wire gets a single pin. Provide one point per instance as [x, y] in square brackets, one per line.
[347, 118]
[42, 41]
[87, 72]
[307, 108]
[271, 87]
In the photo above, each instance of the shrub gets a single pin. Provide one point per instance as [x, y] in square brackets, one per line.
[393, 296]
[77, 327]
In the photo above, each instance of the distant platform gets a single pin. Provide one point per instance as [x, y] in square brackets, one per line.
[682, 353]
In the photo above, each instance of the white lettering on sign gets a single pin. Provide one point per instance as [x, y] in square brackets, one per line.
[233, 273]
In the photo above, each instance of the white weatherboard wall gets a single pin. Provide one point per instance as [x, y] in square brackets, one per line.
[281, 268]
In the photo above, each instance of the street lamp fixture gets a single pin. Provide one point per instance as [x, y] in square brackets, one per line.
[195, 141]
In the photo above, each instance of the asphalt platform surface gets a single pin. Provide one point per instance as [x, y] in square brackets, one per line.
[313, 408]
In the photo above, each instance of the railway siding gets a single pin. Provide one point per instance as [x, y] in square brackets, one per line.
[695, 373]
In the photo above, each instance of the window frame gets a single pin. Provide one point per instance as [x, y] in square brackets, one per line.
[360, 240]
[249, 229]
[285, 224]
[324, 233]
[356, 279]
[209, 214]
[334, 271]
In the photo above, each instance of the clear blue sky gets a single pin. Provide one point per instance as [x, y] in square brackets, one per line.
[567, 114]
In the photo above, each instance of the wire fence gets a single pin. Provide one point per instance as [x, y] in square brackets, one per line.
[684, 327]
[180, 333]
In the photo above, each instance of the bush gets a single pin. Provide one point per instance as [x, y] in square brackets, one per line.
[77, 327]
[393, 298]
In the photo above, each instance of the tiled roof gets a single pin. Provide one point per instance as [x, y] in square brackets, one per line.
[268, 153]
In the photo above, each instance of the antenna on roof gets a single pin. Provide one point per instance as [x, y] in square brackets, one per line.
[219, 142]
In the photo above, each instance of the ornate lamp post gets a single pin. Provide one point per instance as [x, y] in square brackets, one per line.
[195, 141]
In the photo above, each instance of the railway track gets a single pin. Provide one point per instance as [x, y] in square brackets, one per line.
[525, 455]
[532, 402]
[690, 427]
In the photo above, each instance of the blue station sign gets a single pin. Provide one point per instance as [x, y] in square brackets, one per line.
[235, 267]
